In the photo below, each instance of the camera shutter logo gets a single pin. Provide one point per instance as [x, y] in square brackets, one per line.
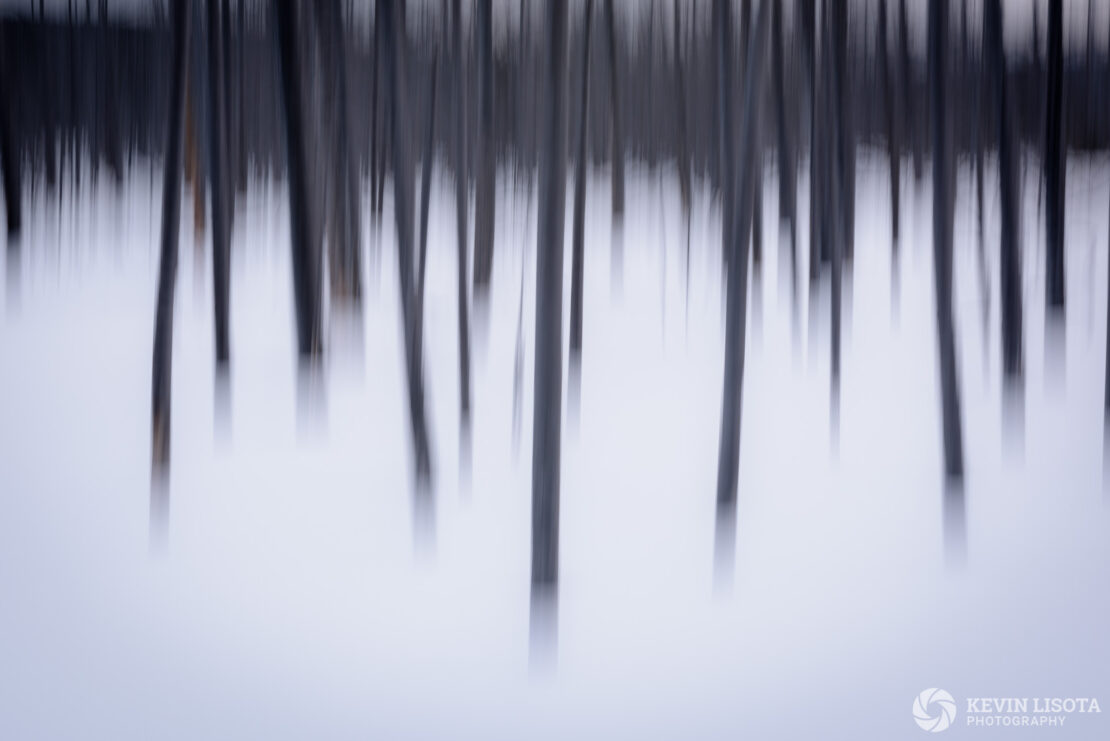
[934, 710]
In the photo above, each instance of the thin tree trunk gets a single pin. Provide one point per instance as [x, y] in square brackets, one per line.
[1055, 163]
[891, 124]
[580, 205]
[546, 443]
[217, 169]
[787, 187]
[912, 127]
[461, 207]
[9, 160]
[426, 187]
[375, 127]
[836, 216]
[809, 32]
[345, 250]
[167, 263]
[980, 72]
[231, 146]
[942, 271]
[683, 156]
[1106, 397]
[306, 260]
[485, 195]
[241, 163]
[757, 162]
[738, 206]
[615, 116]
[1010, 247]
[391, 14]
[846, 139]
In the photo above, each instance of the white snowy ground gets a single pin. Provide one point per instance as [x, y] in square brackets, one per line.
[292, 597]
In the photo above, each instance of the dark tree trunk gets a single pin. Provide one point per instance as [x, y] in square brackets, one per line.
[391, 13]
[889, 117]
[167, 263]
[580, 205]
[461, 207]
[740, 186]
[683, 156]
[375, 114]
[986, 61]
[9, 159]
[345, 250]
[381, 121]
[836, 217]
[615, 116]
[846, 135]
[757, 162]
[1010, 247]
[809, 32]
[426, 188]
[241, 133]
[546, 443]
[1106, 397]
[942, 249]
[306, 260]
[217, 169]
[48, 82]
[786, 155]
[912, 126]
[485, 195]
[1055, 164]
[231, 146]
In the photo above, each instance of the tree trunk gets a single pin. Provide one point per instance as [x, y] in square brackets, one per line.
[683, 156]
[217, 169]
[786, 155]
[912, 126]
[426, 188]
[809, 32]
[891, 131]
[757, 162]
[9, 159]
[167, 263]
[485, 195]
[615, 116]
[942, 254]
[740, 186]
[344, 248]
[846, 139]
[306, 260]
[391, 12]
[461, 207]
[375, 114]
[580, 205]
[546, 434]
[1055, 163]
[231, 145]
[836, 217]
[1010, 247]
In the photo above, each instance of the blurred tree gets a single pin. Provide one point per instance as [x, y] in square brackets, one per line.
[580, 204]
[391, 14]
[547, 425]
[486, 194]
[942, 247]
[1055, 164]
[167, 262]
[1010, 247]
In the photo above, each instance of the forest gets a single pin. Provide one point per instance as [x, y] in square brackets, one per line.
[790, 140]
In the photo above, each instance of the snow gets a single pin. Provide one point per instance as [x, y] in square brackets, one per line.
[292, 593]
